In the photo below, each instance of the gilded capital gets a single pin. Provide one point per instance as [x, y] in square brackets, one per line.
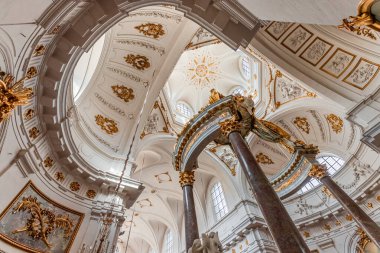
[318, 171]
[186, 178]
[230, 125]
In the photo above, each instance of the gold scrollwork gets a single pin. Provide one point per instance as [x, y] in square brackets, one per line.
[230, 125]
[335, 122]
[123, 92]
[29, 114]
[263, 159]
[39, 50]
[139, 62]
[151, 30]
[363, 22]
[303, 124]
[363, 241]
[106, 124]
[186, 178]
[42, 222]
[32, 72]
[34, 132]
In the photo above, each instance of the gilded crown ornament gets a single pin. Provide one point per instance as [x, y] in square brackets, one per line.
[151, 30]
[139, 62]
[123, 92]
[318, 171]
[186, 178]
[12, 95]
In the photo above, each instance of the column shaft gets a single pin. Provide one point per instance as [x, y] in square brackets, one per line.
[191, 226]
[281, 226]
[363, 220]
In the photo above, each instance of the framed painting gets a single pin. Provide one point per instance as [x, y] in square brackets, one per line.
[338, 63]
[315, 52]
[362, 74]
[277, 29]
[35, 223]
[297, 38]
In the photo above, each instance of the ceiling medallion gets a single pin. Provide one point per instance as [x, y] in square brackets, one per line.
[91, 194]
[335, 122]
[74, 186]
[302, 123]
[139, 62]
[12, 95]
[202, 71]
[151, 30]
[264, 159]
[106, 124]
[59, 176]
[123, 92]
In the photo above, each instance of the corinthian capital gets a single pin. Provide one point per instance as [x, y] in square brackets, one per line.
[318, 171]
[186, 178]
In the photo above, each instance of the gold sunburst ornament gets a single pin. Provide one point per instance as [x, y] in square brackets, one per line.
[12, 95]
[202, 71]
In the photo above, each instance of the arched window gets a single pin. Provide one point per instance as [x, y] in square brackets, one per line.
[184, 109]
[219, 201]
[333, 164]
[169, 243]
[246, 67]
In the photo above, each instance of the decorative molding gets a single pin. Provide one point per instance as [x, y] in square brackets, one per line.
[91, 194]
[277, 29]
[160, 50]
[163, 177]
[74, 186]
[29, 114]
[362, 74]
[338, 63]
[129, 75]
[316, 51]
[186, 178]
[318, 171]
[59, 176]
[34, 132]
[48, 162]
[111, 106]
[39, 50]
[176, 18]
[297, 38]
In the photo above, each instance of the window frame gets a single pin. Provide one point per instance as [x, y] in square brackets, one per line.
[218, 200]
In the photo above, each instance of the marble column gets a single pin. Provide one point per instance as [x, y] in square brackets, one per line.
[191, 225]
[284, 232]
[361, 218]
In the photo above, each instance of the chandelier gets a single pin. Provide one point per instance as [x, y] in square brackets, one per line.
[12, 95]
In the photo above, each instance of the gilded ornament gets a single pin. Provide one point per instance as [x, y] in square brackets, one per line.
[74, 186]
[151, 30]
[106, 124]
[34, 132]
[202, 71]
[363, 241]
[326, 191]
[91, 194]
[214, 96]
[327, 227]
[139, 62]
[186, 178]
[42, 222]
[306, 234]
[369, 205]
[123, 92]
[29, 114]
[39, 50]
[378, 198]
[348, 217]
[230, 125]
[55, 30]
[48, 162]
[302, 123]
[32, 72]
[59, 176]
[263, 159]
[335, 122]
[12, 95]
[363, 22]
[338, 223]
[317, 171]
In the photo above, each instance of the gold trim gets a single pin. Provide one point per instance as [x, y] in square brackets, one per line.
[328, 60]
[317, 171]
[25, 247]
[286, 30]
[352, 71]
[186, 178]
[323, 56]
[299, 48]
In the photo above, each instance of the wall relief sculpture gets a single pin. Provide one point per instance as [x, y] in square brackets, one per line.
[297, 38]
[362, 74]
[338, 62]
[35, 223]
[277, 29]
[316, 51]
